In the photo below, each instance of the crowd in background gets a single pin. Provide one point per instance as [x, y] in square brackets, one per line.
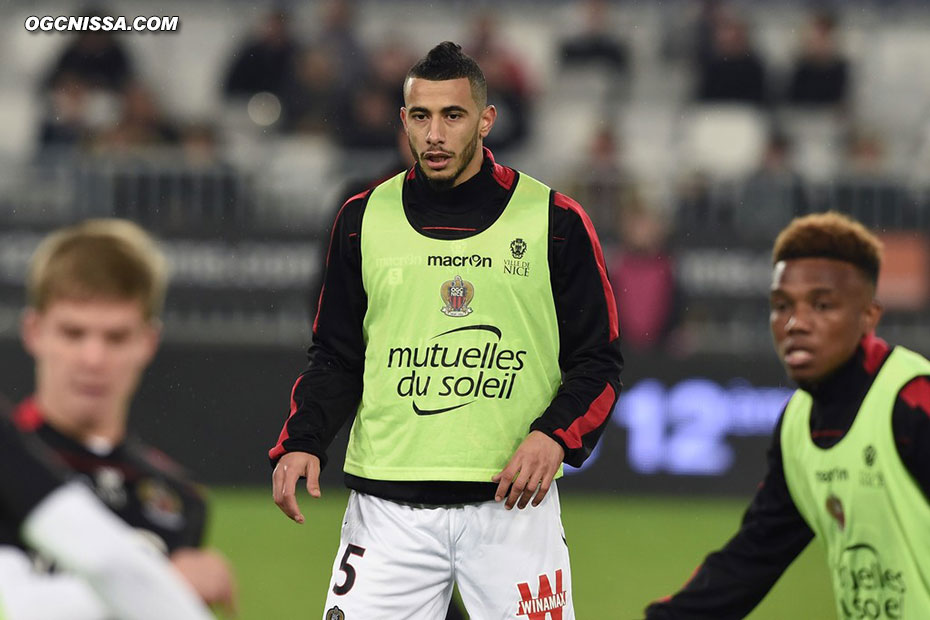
[338, 87]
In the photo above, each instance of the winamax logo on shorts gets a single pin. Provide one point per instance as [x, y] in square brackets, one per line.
[498, 369]
[868, 587]
[546, 605]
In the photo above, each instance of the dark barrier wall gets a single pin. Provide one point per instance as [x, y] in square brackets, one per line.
[700, 426]
[216, 410]
[693, 426]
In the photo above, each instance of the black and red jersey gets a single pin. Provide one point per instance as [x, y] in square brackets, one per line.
[145, 488]
[28, 474]
[327, 394]
[733, 580]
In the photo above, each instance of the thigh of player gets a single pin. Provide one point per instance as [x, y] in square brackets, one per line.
[514, 564]
[394, 562]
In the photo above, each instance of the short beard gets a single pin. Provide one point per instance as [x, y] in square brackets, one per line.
[444, 184]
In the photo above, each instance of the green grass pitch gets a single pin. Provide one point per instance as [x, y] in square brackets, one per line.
[625, 552]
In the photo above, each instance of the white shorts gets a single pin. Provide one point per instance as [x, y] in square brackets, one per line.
[400, 561]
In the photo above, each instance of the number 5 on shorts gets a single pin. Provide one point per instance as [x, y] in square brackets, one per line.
[348, 569]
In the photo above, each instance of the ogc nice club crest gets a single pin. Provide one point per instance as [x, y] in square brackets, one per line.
[457, 294]
[335, 614]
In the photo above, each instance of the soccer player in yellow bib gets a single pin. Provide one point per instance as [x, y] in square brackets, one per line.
[850, 458]
[467, 320]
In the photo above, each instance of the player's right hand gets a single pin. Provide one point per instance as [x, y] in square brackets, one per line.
[208, 572]
[290, 468]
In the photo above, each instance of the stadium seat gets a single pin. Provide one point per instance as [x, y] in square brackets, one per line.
[724, 141]
[647, 134]
[28, 56]
[817, 141]
[563, 129]
[894, 88]
[21, 117]
[297, 176]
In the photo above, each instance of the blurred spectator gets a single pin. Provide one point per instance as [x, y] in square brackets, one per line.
[772, 195]
[508, 84]
[95, 57]
[865, 188]
[918, 167]
[690, 37]
[142, 123]
[734, 72]
[339, 38]
[207, 190]
[370, 115]
[199, 146]
[865, 155]
[710, 15]
[265, 62]
[699, 207]
[311, 99]
[188, 190]
[130, 148]
[596, 45]
[369, 119]
[821, 74]
[390, 62]
[602, 184]
[65, 125]
[642, 274]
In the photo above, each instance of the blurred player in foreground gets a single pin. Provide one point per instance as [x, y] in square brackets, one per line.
[467, 319]
[95, 291]
[65, 522]
[850, 457]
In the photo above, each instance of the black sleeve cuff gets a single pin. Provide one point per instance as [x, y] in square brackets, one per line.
[298, 445]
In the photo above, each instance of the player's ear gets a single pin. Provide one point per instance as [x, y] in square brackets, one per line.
[403, 117]
[871, 316]
[152, 335]
[488, 116]
[29, 330]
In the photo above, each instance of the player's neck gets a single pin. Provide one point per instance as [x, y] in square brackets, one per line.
[473, 168]
[470, 195]
[107, 427]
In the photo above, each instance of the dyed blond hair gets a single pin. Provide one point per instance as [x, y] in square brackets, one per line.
[830, 235]
[108, 259]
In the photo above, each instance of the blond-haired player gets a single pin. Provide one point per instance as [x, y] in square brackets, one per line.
[95, 292]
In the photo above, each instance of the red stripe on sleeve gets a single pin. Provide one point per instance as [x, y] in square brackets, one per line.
[593, 417]
[279, 450]
[563, 201]
[917, 394]
[319, 302]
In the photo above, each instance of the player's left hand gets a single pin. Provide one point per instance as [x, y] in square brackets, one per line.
[530, 470]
